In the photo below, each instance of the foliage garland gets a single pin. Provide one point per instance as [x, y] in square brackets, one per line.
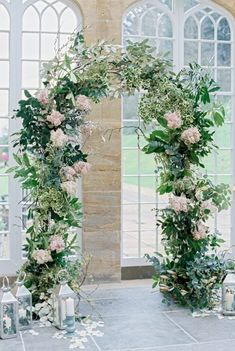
[51, 157]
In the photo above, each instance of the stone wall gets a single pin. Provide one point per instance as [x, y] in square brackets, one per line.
[102, 187]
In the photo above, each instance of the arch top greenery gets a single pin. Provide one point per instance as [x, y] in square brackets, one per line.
[50, 158]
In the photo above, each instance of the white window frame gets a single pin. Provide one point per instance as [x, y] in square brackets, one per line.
[176, 15]
[16, 9]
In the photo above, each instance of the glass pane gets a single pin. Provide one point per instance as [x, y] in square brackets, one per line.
[148, 189]
[209, 162]
[148, 217]
[30, 74]
[148, 242]
[4, 159]
[165, 27]
[49, 46]
[223, 136]
[149, 24]
[129, 135]
[130, 24]
[224, 162]
[188, 4]
[130, 217]
[68, 21]
[224, 54]
[227, 104]
[3, 103]
[147, 164]
[208, 54]
[30, 46]
[190, 52]
[4, 123]
[224, 179]
[223, 32]
[4, 18]
[49, 21]
[166, 47]
[130, 161]
[130, 107]
[4, 219]
[4, 45]
[4, 190]
[130, 244]
[224, 79]
[168, 3]
[207, 29]
[130, 190]
[191, 28]
[4, 74]
[31, 20]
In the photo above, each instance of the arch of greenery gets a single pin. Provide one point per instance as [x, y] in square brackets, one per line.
[50, 158]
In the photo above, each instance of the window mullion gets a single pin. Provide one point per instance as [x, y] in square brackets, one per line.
[15, 237]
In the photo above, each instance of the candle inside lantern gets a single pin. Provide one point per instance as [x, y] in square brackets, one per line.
[22, 313]
[70, 307]
[229, 299]
[8, 322]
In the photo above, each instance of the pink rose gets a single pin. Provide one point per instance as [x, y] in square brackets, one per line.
[82, 167]
[179, 203]
[173, 120]
[42, 256]
[83, 103]
[58, 138]
[70, 187]
[55, 118]
[42, 96]
[200, 232]
[67, 173]
[207, 205]
[191, 136]
[57, 243]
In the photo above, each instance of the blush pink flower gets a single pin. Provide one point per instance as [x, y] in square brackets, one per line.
[87, 128]
[58, 138]
[190, 136]
[173, 120]
[57, 243]
[42, 256]
[67, 173]
[179, 203]
[55, 118]
[200, 232]
[70, 187]
[42, 96]
[207, 205]
[83, 103]
[82, 167]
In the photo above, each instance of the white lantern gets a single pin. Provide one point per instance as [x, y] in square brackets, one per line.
[228, 294]
[61, 293]
[8, 312]
[24, 298]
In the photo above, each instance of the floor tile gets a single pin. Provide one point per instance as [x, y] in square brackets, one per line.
[140, 331]
[11, 344]
[205, 328]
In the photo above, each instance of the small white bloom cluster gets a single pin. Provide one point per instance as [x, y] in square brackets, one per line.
[208, 205]
[44, 310]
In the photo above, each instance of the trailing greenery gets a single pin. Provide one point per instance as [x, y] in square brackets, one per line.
[190, 270]
[50, 158]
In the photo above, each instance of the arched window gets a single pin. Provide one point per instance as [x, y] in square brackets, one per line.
[185, 31]
[30, 33]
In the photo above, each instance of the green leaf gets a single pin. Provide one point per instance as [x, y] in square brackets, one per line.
[218, 118]
[17, 159]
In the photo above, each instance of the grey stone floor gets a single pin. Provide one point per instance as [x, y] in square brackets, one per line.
[135, 319]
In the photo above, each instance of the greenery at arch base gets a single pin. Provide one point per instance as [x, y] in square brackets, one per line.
[50, 158]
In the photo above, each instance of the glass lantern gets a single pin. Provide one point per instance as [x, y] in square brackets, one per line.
[24, 298]
[228, 294]
[61, 293]
[8, 312]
